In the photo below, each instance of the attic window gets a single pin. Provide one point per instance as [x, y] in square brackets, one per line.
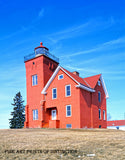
[99, 83]
[60, 76]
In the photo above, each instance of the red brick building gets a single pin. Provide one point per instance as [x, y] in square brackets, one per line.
[57, 98]
[116, 124]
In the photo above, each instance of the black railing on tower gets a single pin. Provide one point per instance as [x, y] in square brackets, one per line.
[46, 53]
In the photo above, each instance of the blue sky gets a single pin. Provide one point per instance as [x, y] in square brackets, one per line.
[87, 36]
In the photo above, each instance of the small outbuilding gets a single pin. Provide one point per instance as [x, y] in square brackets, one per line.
[116, 124]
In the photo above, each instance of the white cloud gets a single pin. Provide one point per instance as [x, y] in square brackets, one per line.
[81, 29]
[21, 30]
[24, 28]
[81, 52]
[107, 58]
[110, 72]
[41, 13]
[73, 29]
[83, 70]
[114, 43]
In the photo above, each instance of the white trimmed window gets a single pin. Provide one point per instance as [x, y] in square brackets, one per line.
[103, 114]
[54, 93]
[60, 76]
[99, 113]
[99, 83]
[35, 114]
[68, 125]
[68, 110]
[99, 96]
[34, 80]
[68, 90]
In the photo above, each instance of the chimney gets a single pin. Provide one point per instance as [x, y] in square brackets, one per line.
[76, 73]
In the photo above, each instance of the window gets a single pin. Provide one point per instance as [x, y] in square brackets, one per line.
[68, 110]
[54, 93]
[99, 83]
[103, 114]
[35, 114]
[68, 125]
[60, 76]
[99, 96]
[68, 90]
[34, 80]
[99, 113]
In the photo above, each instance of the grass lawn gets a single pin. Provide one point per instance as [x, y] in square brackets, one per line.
[51, 144]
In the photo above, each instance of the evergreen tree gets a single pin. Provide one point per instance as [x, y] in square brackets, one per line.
[18, 114]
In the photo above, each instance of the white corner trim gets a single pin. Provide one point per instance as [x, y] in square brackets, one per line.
[50, 80]
[104, 86]
[54, 75]
[85, 88]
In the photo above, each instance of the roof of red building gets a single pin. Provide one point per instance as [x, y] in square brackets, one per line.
[77, 78]
[88, 83]
[116, 123]
[92, 81]
[41, 46]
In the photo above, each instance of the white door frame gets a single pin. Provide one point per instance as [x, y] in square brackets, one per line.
[53, 115]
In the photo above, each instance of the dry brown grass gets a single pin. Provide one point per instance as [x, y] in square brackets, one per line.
[105, 144]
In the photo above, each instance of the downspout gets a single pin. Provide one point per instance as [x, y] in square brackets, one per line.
[91, 112]
[43, 108]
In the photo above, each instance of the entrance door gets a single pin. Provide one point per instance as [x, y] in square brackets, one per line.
[53, 113]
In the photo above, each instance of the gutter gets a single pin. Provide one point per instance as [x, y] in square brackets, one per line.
[85, 88]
